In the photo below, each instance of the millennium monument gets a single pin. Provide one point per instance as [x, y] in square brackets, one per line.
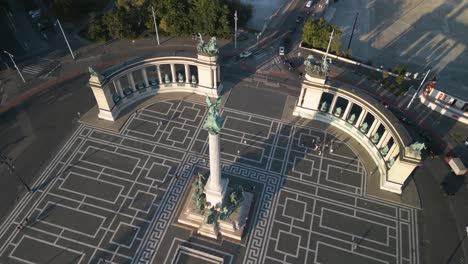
[207, 206]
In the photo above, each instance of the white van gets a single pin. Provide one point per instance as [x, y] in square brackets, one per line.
[309, 3]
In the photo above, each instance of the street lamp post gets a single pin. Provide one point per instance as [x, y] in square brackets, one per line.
[65, 37]
[14, 64]
[155, 25]
[417, 91]
[235, 29]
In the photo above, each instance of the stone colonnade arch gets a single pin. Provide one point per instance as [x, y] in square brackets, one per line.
[120, 86]
[367, 121]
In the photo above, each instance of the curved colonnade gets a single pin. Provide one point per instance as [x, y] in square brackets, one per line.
[361, 116]
[356, 113]
[121, 85]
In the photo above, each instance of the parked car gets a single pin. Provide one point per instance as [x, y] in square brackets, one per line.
[281, 51]
[245, 54]
[309, 3]
[299, 19]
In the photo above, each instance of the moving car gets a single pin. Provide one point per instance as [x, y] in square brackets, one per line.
[281, 51]
[309, 3]
[245, 54]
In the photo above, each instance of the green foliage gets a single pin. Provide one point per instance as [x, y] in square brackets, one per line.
[198, 197]
[244, 11]
[317, 34]
[345, 54]
[96, 29]
[174, 17]
[400, 79]
[385, 75]
[74, 9]
[210, 17]
[400, 69]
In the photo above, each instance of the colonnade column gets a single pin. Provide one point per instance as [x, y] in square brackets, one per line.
[361, 118]
[131, 81]
[375, 125]
[384, 139]
[347, 110]
[392, 152]
[173, 73]
[187, 73]
[158, 69]
[118, 86]
[333, 103]
[145, 77]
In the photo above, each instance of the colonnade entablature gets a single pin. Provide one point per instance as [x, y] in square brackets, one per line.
[367, 121]
[119, 86]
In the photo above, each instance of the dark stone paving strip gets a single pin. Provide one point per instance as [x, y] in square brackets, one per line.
[109, 159]
[351, 225]
[137, 145]
[92, 187]
[44, 253]
[374, 206]
[331, 255]
[247, 127]
[70, 218]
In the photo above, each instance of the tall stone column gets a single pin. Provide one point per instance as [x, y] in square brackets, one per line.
[333, 103]
[158, 69]
[118, 86]
[173, 73]
[374, 127]
[216, 187]
[187, 73]
[361, 118]
[145, 77]
[131, 81]
[347, 110]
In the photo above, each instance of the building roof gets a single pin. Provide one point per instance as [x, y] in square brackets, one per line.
[453, 88]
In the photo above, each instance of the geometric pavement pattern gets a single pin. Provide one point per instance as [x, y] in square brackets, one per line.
[114, 197]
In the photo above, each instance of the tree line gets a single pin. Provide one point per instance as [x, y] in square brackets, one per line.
[131, 18]
[316, 34]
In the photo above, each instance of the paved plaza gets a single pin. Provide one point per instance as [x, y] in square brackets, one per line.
[111, 197]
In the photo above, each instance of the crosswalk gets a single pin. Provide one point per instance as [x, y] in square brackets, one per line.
[38, 67]
[260, 55]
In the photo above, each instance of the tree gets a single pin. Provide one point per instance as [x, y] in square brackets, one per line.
[317, 34]
[400, 69]
[122, 23]
[244, 11]
[210, 17]
[97, 30]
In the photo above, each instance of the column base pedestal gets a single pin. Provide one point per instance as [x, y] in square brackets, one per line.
[232, 227]
[216, 197]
